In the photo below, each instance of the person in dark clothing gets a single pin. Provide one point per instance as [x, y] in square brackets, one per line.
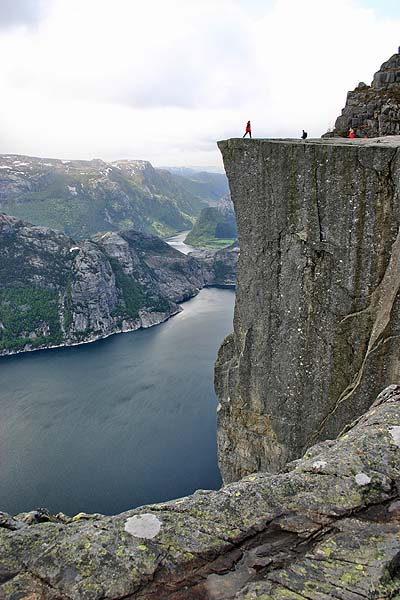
[304, 135]
[248, 129]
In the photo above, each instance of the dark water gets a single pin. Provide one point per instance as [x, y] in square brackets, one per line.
[112, 425]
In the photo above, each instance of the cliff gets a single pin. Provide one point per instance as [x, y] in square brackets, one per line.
[316, 327]
[56, 291]
[327, 528]
[373, 110]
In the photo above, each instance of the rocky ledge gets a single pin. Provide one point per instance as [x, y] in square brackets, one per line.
[328, 527]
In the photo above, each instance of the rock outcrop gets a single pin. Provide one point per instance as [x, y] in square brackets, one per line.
[373, 110]
[56, 291]
[317, 317]
[328, 527]
[220, 266]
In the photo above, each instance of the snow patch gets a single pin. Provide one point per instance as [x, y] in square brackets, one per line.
[72, 190]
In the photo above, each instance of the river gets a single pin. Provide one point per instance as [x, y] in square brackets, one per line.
[177, 242]
[124, 421]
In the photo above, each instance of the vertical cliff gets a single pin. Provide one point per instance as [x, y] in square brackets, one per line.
[316, 327]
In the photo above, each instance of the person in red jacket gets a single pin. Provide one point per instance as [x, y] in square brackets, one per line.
[351, 133]
[248, 129]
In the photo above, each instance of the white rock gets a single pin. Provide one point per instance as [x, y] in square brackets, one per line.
[395, 433]
[145, 526]
[319, 464]
[363, 479]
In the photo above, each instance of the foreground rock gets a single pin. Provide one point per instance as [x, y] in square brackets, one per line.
[55, 291]
[317, 317]
[373, 110]
[329, 527]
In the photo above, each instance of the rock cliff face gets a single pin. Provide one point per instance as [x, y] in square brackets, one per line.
[374, 110]
[327, 528]
[219, 266]
[55, 291]
[316, 328]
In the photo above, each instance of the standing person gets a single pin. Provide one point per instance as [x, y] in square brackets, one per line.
[352, 135]
[248, 129]
[304, 135]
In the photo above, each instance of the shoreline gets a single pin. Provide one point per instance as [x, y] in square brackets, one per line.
[166, 317]
[6, 353]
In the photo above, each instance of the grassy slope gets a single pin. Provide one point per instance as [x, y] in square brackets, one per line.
[212, 230]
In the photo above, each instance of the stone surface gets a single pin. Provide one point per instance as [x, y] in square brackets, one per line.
[303, 534]
[316, 326]
[373, 110]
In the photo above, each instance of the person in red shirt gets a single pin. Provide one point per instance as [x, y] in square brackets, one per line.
[248, 129]
[351, 133]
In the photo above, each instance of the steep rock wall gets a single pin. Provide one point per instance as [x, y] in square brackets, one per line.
[316, 327]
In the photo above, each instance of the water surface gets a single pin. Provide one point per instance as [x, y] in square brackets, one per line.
[121, 422]
[178, 242]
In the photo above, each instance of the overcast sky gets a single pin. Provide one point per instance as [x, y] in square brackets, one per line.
[162, 80]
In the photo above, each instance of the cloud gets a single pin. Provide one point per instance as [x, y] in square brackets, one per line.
[20, 12]
[165, 80]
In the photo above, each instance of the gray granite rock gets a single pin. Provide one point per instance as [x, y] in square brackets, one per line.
[315, 531]
[373, 110]
[316, 327]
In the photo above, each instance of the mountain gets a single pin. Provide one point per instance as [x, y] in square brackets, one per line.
[82, 197]
[57, 291]
[215, 226]
[211, 187]
[373, 110]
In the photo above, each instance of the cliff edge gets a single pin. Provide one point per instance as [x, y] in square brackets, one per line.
[316, 327]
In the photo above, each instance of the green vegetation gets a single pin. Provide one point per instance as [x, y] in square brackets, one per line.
[82, 198]
[28, 315]
[213, 229]
[133, 293]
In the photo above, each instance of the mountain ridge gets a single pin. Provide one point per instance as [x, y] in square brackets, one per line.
[84, 197]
